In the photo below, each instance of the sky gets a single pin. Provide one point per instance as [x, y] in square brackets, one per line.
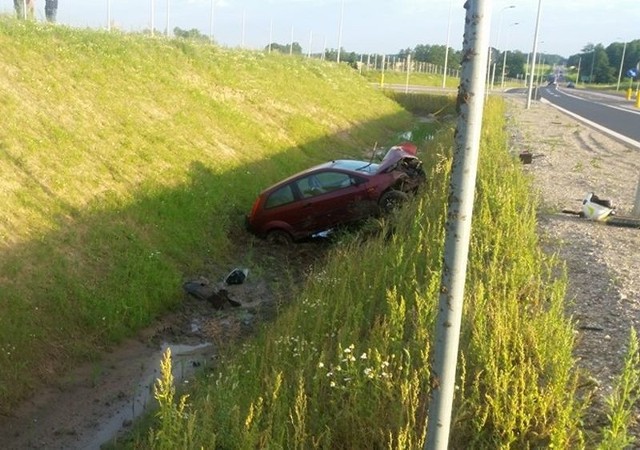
[364, 26]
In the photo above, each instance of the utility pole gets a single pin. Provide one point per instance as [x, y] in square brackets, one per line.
[340, 30]
[624, 48]
[458, 226]
[153, 13]
[446, 51]
[533, 56]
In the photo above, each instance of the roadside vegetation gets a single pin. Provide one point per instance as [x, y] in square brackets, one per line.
[348, 362]
[128, 162]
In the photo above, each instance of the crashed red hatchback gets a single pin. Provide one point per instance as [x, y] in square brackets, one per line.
[333, 194]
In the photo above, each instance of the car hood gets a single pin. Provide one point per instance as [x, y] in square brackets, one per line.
[392, 157]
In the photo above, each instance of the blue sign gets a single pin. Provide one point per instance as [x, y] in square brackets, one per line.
[632, 73]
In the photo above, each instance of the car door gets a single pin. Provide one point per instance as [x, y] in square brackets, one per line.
[332, 198]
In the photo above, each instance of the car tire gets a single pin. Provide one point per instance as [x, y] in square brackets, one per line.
[279, 237]
[391, 200]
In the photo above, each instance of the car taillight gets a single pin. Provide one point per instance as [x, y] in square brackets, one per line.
[254, 208]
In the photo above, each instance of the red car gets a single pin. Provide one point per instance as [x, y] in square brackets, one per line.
[334, 193]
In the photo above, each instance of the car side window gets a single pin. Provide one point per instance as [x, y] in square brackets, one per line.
[330, 181]
[280, 197]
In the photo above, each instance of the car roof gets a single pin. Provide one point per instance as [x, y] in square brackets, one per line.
[356, 167]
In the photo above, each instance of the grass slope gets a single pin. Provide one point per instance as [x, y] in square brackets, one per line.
[125, 160]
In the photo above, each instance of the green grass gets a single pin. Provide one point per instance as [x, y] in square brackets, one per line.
[348, 362]
[126, 161]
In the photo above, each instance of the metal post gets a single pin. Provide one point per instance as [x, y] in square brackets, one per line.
[213, 15]
[382, 72]
[535, 49]
[108, 15]
[168, 9]
[406, 84]
[291, 42]
[244, 14]
[458, 225]
[578, 74]
[624, 48]
[446, 51]
[152, 16]
[340, 30]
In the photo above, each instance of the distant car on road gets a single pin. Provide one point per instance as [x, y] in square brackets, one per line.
[570, 84]
[335, 193]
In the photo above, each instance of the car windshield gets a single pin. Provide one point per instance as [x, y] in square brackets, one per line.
[358, 166]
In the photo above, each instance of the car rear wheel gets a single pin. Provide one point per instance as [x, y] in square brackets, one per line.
[279, 237]
[392, 200]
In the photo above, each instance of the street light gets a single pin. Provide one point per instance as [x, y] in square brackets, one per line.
[446, 51]
[493, 73]
[340, 30]
[624, 48]
[213, 16]
[504, 61]
[535, 49]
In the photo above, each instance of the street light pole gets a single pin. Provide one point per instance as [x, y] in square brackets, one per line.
[624, 48]
[168, 8]
[446, 51]
[535, 50]
[504, 60]
[489, 71]
[458, 224]
[213, 15]
[340, 30]
[153, 13]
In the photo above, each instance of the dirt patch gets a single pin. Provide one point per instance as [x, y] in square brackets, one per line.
[96, 402]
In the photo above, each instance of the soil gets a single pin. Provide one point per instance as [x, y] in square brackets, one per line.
[94, 403]
[97, 402]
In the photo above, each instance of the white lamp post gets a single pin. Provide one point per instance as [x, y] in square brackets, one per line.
[489, 71]
[535, 49]
[446, 51]
[152, 15]
[108, 15]
[168, 9]
[340, 30]
[624, 48]
[504, 60]
[213, 15]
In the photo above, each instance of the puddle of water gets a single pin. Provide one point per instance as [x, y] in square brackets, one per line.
[185, 359]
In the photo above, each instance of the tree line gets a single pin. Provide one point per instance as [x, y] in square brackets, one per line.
[594, 64]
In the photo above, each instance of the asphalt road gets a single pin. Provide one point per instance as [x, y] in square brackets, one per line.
[612, 114]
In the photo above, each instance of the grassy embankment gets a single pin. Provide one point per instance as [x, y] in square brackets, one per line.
[347, 366]
[125, 161]
[128, 159]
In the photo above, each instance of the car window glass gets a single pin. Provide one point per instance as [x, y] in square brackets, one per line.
[330, 181]
[280, 197]
[309, 186]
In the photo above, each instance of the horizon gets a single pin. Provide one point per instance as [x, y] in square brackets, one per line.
[360, 26]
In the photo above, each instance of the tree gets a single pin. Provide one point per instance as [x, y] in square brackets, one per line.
[193, 34]
[602, 70]
[515, 67]
[294, 48]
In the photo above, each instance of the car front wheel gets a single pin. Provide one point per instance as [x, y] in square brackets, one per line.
[279, 237]
[392, 200]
